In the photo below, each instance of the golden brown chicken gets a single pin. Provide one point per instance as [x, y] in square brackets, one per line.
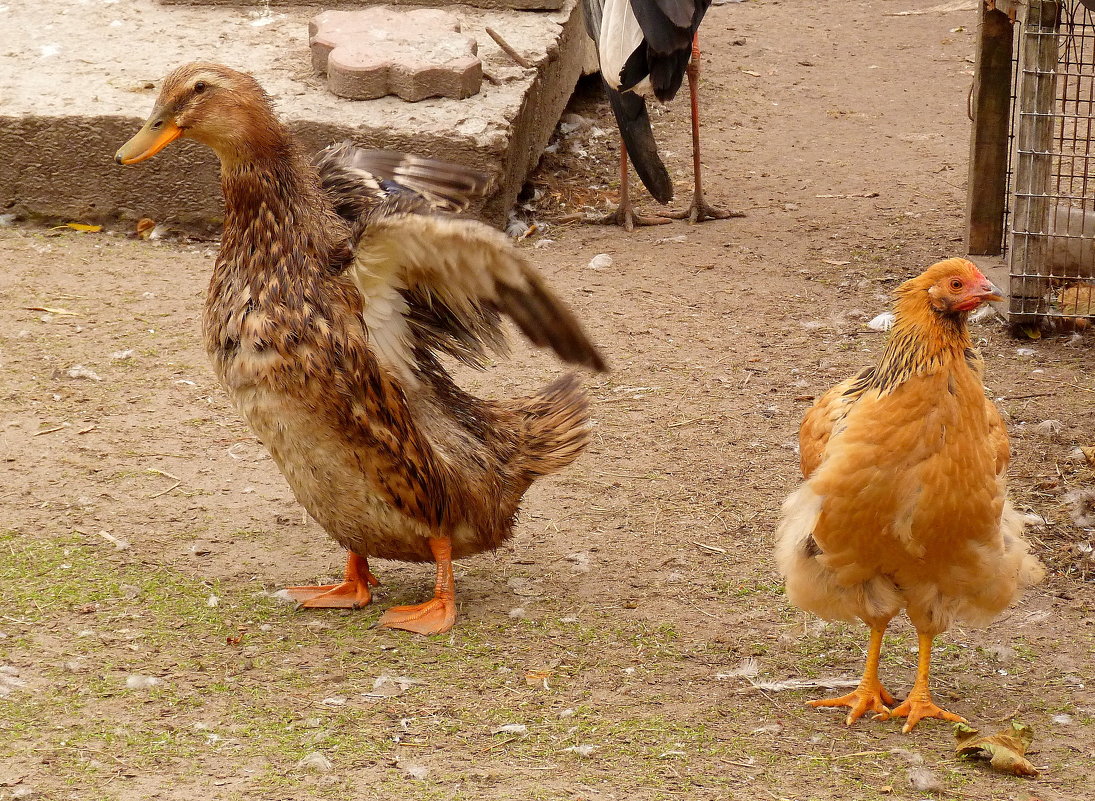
[335, 289]
[904, 504]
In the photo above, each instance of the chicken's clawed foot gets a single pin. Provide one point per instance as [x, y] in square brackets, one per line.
[919, 706]
[867, 697]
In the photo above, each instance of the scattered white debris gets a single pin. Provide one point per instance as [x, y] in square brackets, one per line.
[385, 686]
[334, 700]
[671, 240]
[9, 680]
[771, 728]
[1001, 653]
[517, 613]
[543, 243]
[911, 757]
[120, 543]
[1062, 720]
[580, 561]
[1024, 351]
[79, 371]
[830, 683]
[136, 681]
[924, 781]
[581, 750]
[315, 762]
[213, 601]
[23, 792]
[674, 753]
[571, 122]
[120, 355]
[983, 313]
[602, 261]
[419, 772]
[1083, 507]
[511, 728]
[7, 220]
[49, 50]
[1049, 428]
[748, 669]
[630, 671]
[570, 619]
[883, 322]
[567, 713]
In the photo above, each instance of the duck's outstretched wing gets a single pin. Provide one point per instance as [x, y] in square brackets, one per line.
[443, 283]
[356, 179]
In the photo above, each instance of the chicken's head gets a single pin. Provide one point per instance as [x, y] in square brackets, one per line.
[954, 286]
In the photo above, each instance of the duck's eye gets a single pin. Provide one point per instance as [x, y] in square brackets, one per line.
[199, 87]
[956, 284]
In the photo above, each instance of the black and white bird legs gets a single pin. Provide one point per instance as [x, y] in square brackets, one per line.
[700, 209]
[625, 215]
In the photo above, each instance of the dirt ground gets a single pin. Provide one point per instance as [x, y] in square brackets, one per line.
[142, 655]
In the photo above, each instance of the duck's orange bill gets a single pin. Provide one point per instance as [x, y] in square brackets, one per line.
[147, 142]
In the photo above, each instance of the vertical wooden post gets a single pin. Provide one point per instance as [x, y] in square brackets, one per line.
[1034, 159]
[991, 108]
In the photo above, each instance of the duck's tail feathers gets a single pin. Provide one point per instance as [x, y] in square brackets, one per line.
[557, 427]
[633, 120]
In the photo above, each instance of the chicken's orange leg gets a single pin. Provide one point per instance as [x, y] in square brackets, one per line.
[439, 613]
[700, 209]
[870, 695]
[625, 215]
[919, 704]
[352, 593]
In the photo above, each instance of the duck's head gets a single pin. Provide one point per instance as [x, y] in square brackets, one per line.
[212, 104]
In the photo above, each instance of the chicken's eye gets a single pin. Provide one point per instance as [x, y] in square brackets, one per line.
[956, 284]
[199, 87]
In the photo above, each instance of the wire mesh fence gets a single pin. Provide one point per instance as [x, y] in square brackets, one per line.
[1052, 215]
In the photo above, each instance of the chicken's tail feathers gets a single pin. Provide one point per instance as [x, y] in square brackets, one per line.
[557, 428]
[633, 120]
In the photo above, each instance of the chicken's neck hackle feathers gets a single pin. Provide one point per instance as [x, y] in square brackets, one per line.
[923, 340]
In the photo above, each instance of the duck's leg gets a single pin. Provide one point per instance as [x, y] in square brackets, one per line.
[352, 593]
[870, 695]
[919, 705]
[700, 209]
[437, 614]
[625, 215]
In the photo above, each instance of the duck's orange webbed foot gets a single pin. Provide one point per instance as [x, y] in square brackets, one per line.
[867, 697]
[352, 593]
[919, 706]
[438, 614]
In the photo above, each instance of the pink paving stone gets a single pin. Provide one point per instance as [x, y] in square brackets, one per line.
[377, 51]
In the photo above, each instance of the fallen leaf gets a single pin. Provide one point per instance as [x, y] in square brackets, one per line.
[145, 226]
[1089, 454]
[1005, 749]
[87, 229]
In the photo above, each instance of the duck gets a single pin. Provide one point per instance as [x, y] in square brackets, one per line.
[340, 284]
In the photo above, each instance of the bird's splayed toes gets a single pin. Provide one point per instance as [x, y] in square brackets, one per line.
[701, 211]
[919, 706]
[627, 218]
[352, 593]
[867, 697]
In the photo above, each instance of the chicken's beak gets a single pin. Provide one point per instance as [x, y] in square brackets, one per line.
[156, 134]
[989, 291]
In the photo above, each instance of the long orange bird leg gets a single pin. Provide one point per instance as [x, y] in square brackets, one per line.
[437, 614]
[352, 593]
[919, 704]
[870, 695]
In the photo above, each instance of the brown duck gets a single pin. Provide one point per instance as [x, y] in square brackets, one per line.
[337, 286]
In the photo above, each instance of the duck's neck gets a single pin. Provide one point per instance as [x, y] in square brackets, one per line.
[278, 222]
[922, 341]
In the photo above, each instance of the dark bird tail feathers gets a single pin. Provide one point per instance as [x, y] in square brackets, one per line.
[557, 427]
[633, 120]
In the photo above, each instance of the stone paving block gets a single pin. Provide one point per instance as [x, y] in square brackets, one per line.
[414, 54]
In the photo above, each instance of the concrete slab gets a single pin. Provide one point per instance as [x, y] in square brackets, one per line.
[412, 53]
[77, 83]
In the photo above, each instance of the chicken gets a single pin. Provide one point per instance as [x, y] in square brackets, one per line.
[905, 504]
[335, 290]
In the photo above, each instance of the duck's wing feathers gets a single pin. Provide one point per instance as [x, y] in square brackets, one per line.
[442, 283]
[824, 418]
[357, 178]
